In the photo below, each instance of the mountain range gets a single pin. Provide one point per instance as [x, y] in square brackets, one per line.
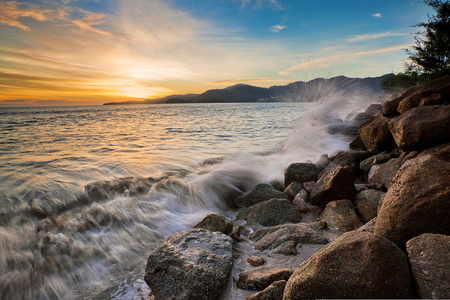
[298, 91]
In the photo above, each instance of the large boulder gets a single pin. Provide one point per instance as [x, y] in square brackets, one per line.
[341, 215]
[421, 127]
[336, 183]
[261, 192]
[381, 176]
[367, 203]
[417, 201]
[390, 106]
[270, 213]
[429, 256]
[283, 239]
[300, 172]
[376, 135]
[215, 222]
[261, 278]
[191, 264]
[356, 265]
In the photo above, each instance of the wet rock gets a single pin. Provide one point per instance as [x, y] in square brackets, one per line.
[315, 210]
[215, 222]
[283, 239]
[376, 135]
[380, 158]
[272, 292]
[367, 203]
[356, 265]
[421, 127]
[429, 258]
[261, 278]
[255, 261]
[293, 189]
[270, 213]
[261, 192]
[300, 172]
[357, 143]
[308, 186]
[236, 233]
[336, 183]
[191, 264]
[322, 163]
[102, 190]
[381, 176]
[341, 215]
[351, 159]
[417, 201]
[300, 203]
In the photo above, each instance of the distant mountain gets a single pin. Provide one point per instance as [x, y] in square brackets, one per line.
[296, 91]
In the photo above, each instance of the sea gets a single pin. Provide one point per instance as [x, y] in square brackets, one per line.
[180, 162]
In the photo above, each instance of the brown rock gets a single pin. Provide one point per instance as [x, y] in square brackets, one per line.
[261, 278]
[421, 127]
[376, 135]
[255, 261]
[337, 182]
[380, 158]
[367, 203]
[417, 201]
[381, 176]
[413, 101]
[390, 107]
[429, 256]
[356, 265]
[300, 203]
[270, 213]
[215, 222]
[369, 226]
[293, 189]
[272, 292]
[341, 215]
[434, 99]
[308, 186]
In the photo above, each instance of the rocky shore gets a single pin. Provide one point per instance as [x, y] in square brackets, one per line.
[370, 222]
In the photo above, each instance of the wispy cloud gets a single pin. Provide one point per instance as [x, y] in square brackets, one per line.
[12, 12]
[278, 28]
[261, 3]
[89, 20]
[377, 15]
[371, 36]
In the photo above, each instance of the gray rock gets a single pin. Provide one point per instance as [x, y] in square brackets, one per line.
[341, 215]
[381, 176]
[270, 213]
[293, 189]
[367, 203]
[337, 182]
[215, 222]
[417, 201]
[300, 172]
[355, 265]
[191, 264]
[283, 239]
[369, 226]
[300, 203]
[261, 192]
[421, 127]
[429, 256]
[380, 158]
[261, 278]
[272, 292]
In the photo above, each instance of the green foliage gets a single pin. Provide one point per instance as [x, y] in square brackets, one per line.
[430, 57]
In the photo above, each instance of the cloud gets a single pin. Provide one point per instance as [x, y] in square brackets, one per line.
[364, 37]
[278, 28]
[12, 11]
[261, 3]
[377, 15]
[89, 20]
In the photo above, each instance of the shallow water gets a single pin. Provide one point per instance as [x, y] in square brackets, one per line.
[58, 242]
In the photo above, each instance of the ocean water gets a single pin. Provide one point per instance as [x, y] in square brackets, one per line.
[87, 192]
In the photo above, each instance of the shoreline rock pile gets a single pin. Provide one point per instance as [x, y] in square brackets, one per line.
[371, 222]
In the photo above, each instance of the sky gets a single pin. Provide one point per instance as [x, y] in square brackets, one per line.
[87, 52]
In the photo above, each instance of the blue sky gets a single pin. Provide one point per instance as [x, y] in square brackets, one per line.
[92, 51]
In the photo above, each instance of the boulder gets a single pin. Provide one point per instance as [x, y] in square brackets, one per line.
[417, 201]
[376, 135]
[261, 192]
[390, 106]
[355, 265]
[341, 215]
[270, 213]
[272, 292]
[357, 143]
[434, 99]
[351, 158]
[380, 158]
[293, 189]
[413, 101]
[215, 222]
[381, 176]
[283, 239]
[421, 127]
[300, 172]
[367, 203]
[337, 182]
[261, 278]
[191, 264]
[429, 257]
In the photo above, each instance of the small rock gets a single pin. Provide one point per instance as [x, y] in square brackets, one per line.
[272, 292]
[236, 233]
[261, 278]
[300, 203]
[308, 186]
[380, 158]
[341, 215]
[270, 213]
[255, 261]
[367, 203]
[293, 189]
[261, 192]
[381, 176]
[301, 172]
[215, 222]
[369, 226]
